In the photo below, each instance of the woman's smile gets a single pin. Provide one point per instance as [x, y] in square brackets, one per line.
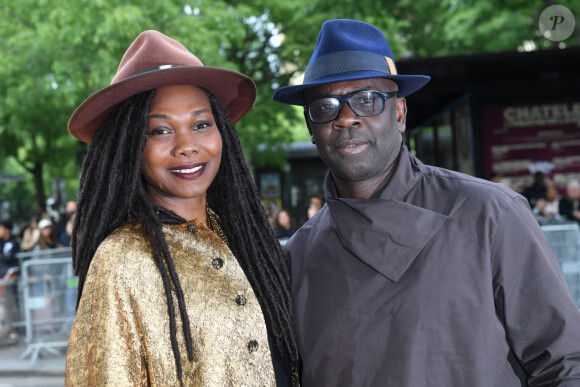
[189, 172]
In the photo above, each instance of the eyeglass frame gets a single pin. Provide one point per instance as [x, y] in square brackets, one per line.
[346, 98]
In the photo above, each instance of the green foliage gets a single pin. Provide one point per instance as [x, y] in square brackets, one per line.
[17, 194]
[55, 54]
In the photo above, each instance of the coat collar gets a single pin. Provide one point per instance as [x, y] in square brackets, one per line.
[385, 233]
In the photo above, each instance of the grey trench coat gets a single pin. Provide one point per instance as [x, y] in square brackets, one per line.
[441, 280]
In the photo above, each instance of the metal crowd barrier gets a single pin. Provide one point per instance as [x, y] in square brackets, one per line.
[49, 304]
[61, 252]
[18, 321]
[565, 242]
[49, 291]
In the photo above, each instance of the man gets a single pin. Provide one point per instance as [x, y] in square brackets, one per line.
[537, 189]
[413, 275]
[314, 205]
[569, 205]
[61, 223]
[8, 248]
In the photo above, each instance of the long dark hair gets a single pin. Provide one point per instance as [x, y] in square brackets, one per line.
[112, 191]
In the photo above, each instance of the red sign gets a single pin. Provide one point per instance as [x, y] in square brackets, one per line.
[522, 139]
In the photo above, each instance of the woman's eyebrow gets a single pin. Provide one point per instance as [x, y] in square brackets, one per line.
[168, 116]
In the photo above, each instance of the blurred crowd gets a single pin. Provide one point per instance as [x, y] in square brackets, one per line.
[47, 232]
[50, 284]
[546, 202]
[42, 232]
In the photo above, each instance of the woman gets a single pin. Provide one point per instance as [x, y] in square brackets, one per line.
[30, 235]
[46, 238]
[284, 224]
[546, 209]
[181, 279]
[66, 234]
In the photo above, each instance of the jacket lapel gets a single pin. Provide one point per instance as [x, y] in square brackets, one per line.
[386, 233]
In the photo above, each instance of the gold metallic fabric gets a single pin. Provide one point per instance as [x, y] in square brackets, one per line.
[120, 335]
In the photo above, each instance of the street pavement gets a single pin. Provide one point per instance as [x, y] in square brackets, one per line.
[46, 371]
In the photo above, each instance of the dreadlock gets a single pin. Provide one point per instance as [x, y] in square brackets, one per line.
[234, 198]
[112, 191]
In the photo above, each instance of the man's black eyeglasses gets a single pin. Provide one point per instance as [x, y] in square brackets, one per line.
[364, 103]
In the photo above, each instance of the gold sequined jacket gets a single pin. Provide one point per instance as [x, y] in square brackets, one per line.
[120, 335]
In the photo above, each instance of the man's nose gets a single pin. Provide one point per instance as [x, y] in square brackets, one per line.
[346, 117]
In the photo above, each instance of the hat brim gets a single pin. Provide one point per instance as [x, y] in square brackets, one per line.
[235, 92]
[294, 95]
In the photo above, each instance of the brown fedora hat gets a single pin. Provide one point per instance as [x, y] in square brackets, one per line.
[155, 60]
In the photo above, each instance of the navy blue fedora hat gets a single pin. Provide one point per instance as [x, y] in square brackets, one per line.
[348, 50]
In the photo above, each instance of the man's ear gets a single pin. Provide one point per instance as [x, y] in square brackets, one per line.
[309, 128]
[401, 114]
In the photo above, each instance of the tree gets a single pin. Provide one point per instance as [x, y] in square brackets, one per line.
[55, 54]
[423, 29]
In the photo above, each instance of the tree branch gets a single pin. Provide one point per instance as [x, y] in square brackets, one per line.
[15, 16]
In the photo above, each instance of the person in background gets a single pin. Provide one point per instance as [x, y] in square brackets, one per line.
[60, 224]
[70, 208]
[537, 189]
[569, 206]
[9, 246]
[66, 234]
[182, 281]
[46, 240]
[30, 234]
[270, 209]
[284, 224]
[9, 267]
[315, 203]
[414, 275]
[546, 209]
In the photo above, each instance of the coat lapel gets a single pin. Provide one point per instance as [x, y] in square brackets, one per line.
[386, 233]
